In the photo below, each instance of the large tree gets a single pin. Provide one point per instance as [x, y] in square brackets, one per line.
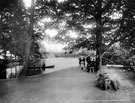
[19, 35]
[112, 20]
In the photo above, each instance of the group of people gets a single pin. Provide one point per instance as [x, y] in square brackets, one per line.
[89, 61]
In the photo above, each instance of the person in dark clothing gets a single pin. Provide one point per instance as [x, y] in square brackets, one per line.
[92, 65]
[88, 60]
[43, 66]
[79, 60]
[84, 61]
[93, 62]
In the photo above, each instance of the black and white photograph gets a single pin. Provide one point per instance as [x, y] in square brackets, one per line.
[67, 51]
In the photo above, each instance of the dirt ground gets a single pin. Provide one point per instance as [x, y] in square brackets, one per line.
[126, 84]
[67, 85]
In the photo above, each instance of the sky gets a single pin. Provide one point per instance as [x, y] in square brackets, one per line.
[27, 3]
[52, 47]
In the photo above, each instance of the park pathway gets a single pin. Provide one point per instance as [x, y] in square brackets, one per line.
[70, 85]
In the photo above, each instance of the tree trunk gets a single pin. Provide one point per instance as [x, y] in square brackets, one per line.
[3, 66]
[26, 59]
[28, 43]
[99, 48]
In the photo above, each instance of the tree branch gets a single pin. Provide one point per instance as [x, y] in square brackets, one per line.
[108, 5]
[118, 33]
[115, 41]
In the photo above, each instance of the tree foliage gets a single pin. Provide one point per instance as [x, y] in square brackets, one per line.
[112, 20]
[14, 21]
[99, 24]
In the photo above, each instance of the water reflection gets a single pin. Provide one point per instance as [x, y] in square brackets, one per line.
[13, 72]
[60, 63]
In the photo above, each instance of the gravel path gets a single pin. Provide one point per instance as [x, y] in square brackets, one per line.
[70, 85]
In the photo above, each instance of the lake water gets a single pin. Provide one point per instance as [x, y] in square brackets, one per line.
[13, 72]
[60, 63]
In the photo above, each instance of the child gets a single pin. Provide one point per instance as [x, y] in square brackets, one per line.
[82, 63]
